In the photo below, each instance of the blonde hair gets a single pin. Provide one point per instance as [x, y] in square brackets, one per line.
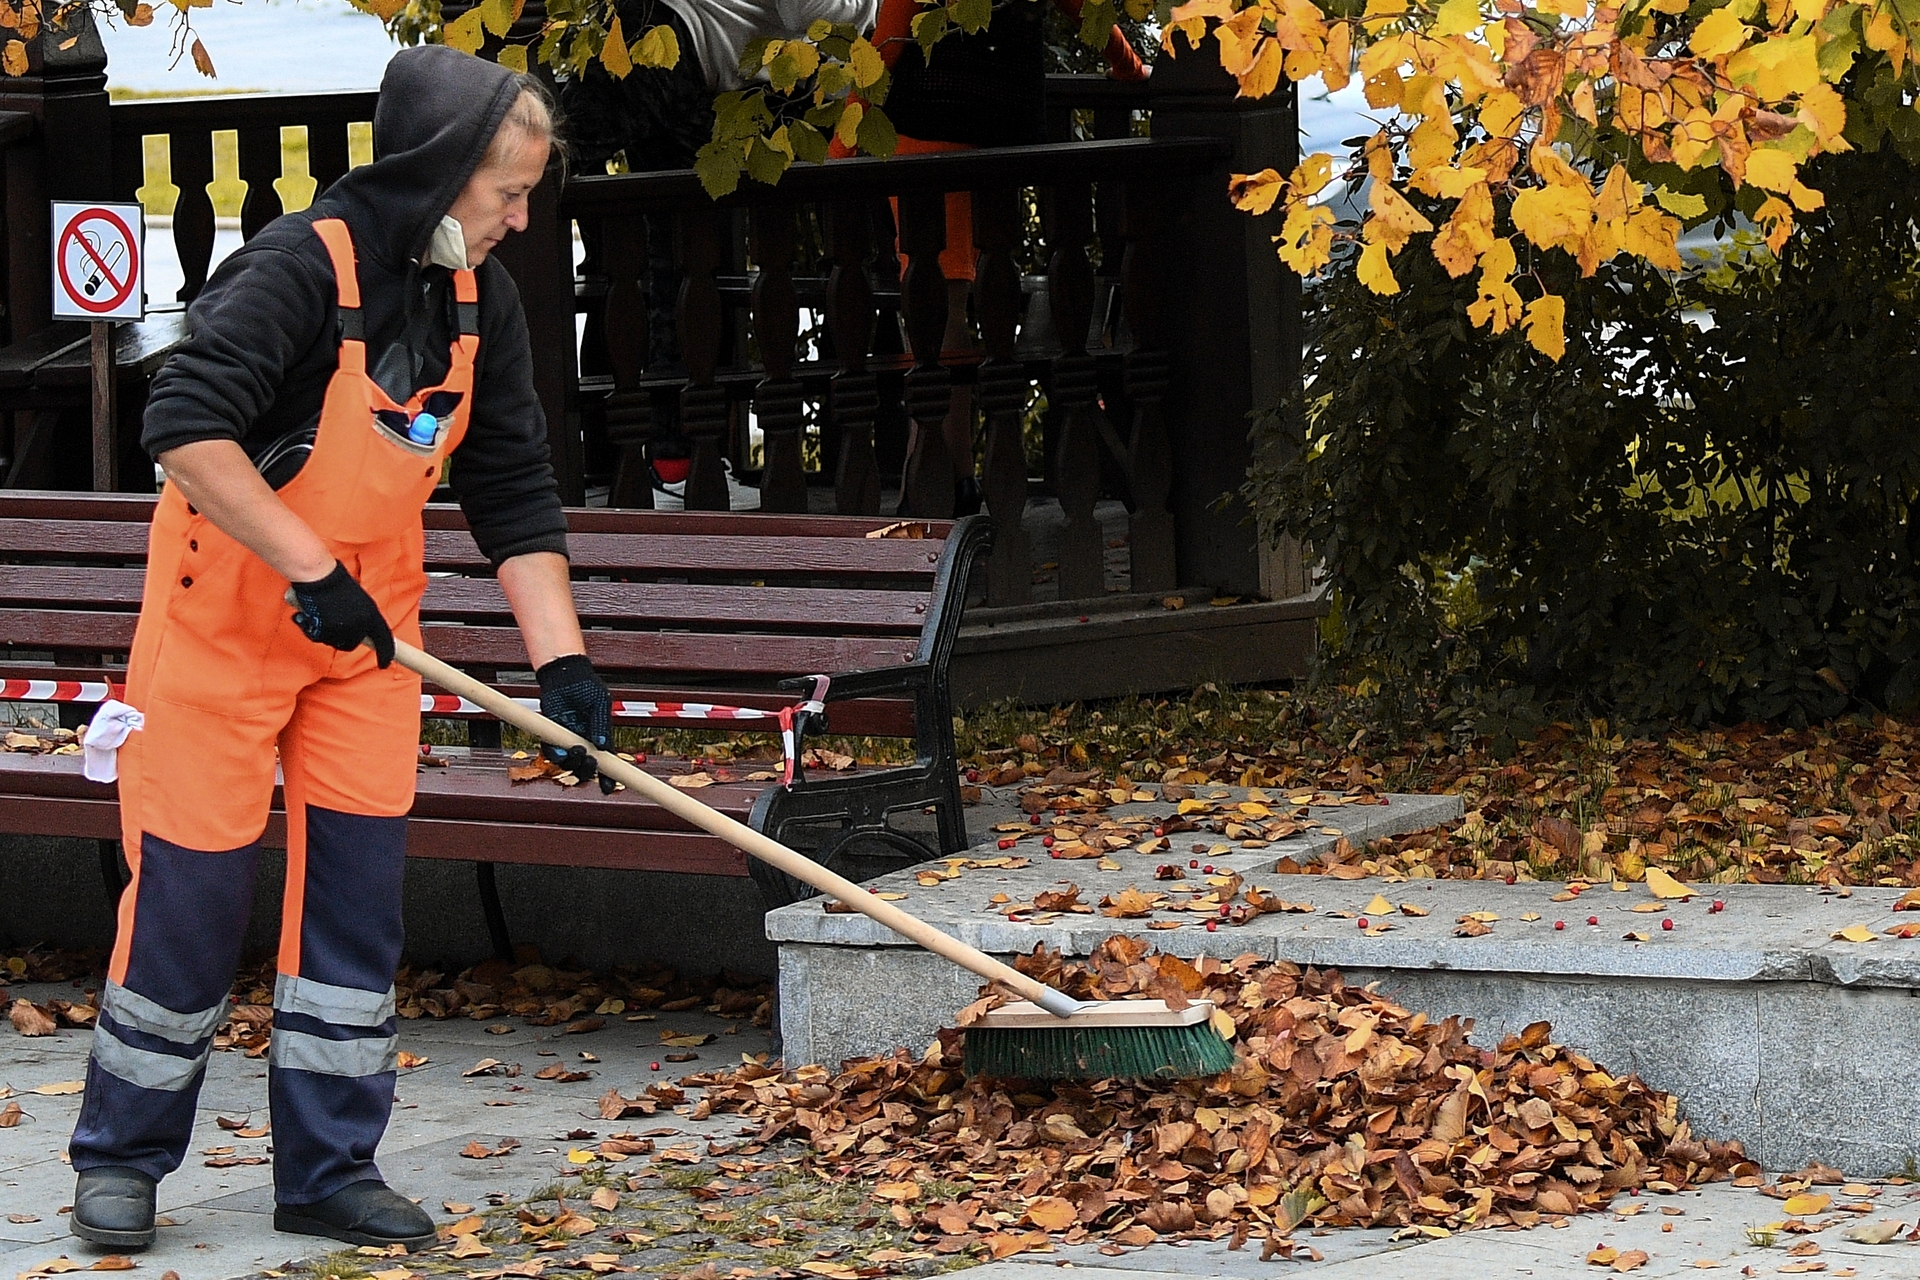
[534, 114]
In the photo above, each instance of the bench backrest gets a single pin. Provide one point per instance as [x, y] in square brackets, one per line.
[673, 602]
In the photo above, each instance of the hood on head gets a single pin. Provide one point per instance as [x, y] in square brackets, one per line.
[438, 111]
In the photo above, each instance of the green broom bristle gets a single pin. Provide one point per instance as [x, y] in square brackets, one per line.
[1097, 1053]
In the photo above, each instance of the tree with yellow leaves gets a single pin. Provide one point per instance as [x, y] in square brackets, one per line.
[1603, 129]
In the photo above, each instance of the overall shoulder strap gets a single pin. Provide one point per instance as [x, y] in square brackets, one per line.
[466, 303]
[334, 234]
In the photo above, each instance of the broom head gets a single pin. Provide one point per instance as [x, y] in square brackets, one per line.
[1126, 1039]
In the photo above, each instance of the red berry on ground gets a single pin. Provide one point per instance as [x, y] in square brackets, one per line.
[641, 758]
[1224, 908]
[973, 775]
[1213, 926]
[1666, 924]
[655, 1066]
[1006, 844]
[1718, 905]
[1361, 922]
[1193, 862]
[1207, 870]
[1593, 919]
[1509, 879]
[1034, 820]
[1559, 924]
[1046, 842]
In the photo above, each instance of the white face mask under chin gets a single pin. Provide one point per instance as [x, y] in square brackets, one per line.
[448, 247]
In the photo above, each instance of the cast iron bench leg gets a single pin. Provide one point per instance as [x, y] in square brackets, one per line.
[490, 904]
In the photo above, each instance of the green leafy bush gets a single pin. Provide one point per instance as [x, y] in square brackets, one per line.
[1702, 513]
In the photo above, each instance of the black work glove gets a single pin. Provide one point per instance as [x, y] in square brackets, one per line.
[337, 611]
[573, 697]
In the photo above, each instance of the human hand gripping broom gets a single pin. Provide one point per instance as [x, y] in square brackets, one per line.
[1053, 1037]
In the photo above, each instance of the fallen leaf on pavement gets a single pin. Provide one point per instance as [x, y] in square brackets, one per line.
[59, 1089]
[605, 1199]
[1632, 1258]
[1663, 885]
[10, 1115]
[1873, 1232]
[468, 1246]
[686, 1040]
[29, 1019]
[408, 1061]
[1805, 1204]
[1854, 933]
[477, 1150]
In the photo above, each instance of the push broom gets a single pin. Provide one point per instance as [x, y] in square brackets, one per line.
[1051, 1036]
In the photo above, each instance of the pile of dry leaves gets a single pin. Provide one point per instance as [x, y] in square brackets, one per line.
[1342, 1109]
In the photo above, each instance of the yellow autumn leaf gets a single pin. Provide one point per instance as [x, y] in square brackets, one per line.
[1719, 33]
[848, 130]
[13, 58]
[1684, 204]
[868, 66]
[1807, 1202]
[1455, 18]
[464, 32]
[1771, 170]
[1852, 933]
[1306, 238]
[1311, 175]
[1394, 221]
[513, 57]
[1378, 907]
[1553, 216]
[1824, 111]
[1376, 272]
[1778, 68]
[1546, 325]
[658, 48]
[613, 54]
[1222, 1022]
[1663, 885]
[1255, 192]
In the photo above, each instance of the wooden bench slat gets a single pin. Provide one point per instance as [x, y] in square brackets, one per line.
[683, 554]
[657, 604]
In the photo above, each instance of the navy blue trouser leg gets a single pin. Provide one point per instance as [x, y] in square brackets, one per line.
[331, 1069]
[156, 1025]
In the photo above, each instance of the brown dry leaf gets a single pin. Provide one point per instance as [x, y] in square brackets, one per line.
[408, 1061]
[1874, 1232]
[20, 1219]
[560, 1075]
[1469, 927]
[202, 60]
[899, 1192]
[59, 1089]
[1855, 933]
[29, 1019]
[691, 781]
[1128, 904]
[686, 1040]
[1802, 1268]
[11, 1115]
[468, 1245]
[477, 1150]
[1909, 901]
[605, 1199]
[1411, 909]
[1631, 1260]
[13, 58]
[1051, 1213]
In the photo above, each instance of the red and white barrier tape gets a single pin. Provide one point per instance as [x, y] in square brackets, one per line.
[446, 704]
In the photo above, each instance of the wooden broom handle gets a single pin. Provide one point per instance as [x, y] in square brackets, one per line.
[737, 834]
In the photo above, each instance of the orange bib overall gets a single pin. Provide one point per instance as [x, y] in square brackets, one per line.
[227, 683]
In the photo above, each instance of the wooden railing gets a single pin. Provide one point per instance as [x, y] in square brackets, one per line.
[1085, 336]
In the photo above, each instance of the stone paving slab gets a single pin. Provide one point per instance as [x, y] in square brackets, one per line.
[223, 1216]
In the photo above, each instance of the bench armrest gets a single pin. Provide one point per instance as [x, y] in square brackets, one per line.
[874, 682]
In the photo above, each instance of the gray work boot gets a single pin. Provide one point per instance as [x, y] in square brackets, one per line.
[369, 1213]
[114, 1207]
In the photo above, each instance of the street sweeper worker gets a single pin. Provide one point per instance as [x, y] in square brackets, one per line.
[338, 362]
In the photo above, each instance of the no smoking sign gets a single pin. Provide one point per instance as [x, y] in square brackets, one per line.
[99, 261]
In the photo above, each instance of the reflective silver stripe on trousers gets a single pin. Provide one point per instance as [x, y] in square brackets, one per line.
[341, 1006]
[131, 1009]
[143, 1067]
[301, 1052]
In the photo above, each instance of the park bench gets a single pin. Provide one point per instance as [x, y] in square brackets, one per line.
[680, 608]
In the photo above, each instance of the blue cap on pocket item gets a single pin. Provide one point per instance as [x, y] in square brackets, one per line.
[423, 428]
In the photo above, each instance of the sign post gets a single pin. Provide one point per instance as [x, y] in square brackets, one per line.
[99, 269]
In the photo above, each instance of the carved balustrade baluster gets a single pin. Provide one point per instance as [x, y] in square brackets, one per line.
[926, 483]
[193, 211]
[327, 155]
[259, 147]
[703, 405]
[855, 395]
[1003, 393]
[1066, 214]
[1149, 453]
[776, 326]
[622, 240]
